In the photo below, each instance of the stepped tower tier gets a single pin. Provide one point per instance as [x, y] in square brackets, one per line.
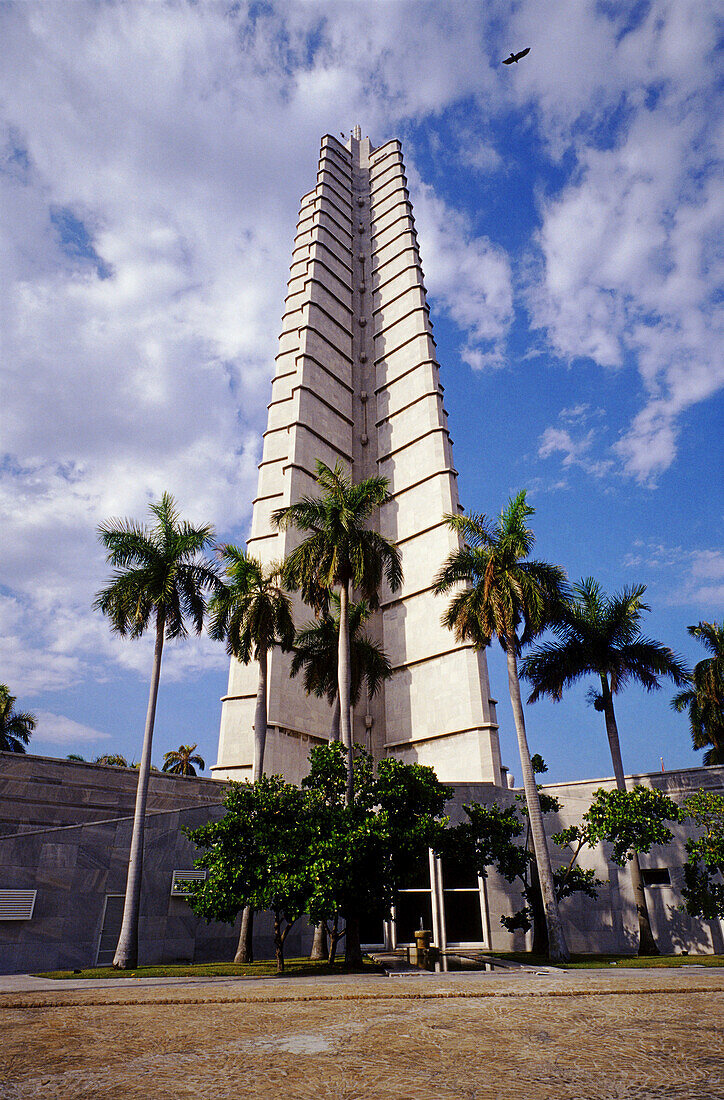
[357, 382]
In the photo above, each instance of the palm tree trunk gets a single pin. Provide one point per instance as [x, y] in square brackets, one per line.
[245, 946]
[126, 956]
[344, 677]
[260, 717]
[647, 943]
[335, 718]
[557, 946]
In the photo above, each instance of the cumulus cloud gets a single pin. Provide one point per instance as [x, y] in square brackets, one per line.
[57, 730]
[576, 450]
[152, 157]
[691, 576]
[629, 269]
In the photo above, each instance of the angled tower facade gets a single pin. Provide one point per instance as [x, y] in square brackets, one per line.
[357, 382]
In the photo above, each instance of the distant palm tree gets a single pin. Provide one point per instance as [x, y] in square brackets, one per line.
[340, 554]
[252, 613]
[181, 761]
[499, 592]
[160, 576]
[15, 726]
[114, 760]
[705, 699]
[316, 649]
[600, 635]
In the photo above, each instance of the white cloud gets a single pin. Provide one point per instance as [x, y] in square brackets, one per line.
[466, 275]
[57, 730]
[629, 264]
[697, 576]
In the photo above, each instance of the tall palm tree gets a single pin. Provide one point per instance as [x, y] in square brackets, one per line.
[316, 650]
[252, 614]
[181, 761]
[340, 553]
[503, 592]
[15, 726]
[600, 635]
[705, 698]
[160, 577]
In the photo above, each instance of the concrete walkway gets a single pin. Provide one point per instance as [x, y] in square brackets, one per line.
[533, 1035]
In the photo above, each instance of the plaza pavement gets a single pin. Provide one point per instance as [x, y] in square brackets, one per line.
[530, 1035]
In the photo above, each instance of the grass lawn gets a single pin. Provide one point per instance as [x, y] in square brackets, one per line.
[294, 968]
[592, 962]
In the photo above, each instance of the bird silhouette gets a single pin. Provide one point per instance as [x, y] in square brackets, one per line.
[515, 57]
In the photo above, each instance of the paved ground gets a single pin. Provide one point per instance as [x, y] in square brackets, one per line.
[545, 1035]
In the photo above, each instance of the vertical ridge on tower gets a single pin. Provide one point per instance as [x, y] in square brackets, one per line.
[356, 382]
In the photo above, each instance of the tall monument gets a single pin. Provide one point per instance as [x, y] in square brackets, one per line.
[357, 382]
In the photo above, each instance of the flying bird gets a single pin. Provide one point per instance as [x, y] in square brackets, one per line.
[516, 57]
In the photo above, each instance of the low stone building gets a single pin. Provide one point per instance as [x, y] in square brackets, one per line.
[65, 831]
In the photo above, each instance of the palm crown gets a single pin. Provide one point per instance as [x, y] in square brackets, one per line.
[503, 589]
[159, 570]
[705, 698]
[316, 648]
[600, 635]
[15, 726]
[251, 611]
[181, 761]
[339, 549]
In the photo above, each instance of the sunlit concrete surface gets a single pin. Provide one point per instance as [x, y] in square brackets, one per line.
[607, 1035]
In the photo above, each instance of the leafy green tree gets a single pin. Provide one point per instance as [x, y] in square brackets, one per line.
[500, 593]
[600, 635]
[252, 614]
[365, 851]
[704, 700]
[15, 726]
[181, 761]
[316, 649]
[257, 856]
[76, 757]
[704, 889]
[160, 579]
[340, 553]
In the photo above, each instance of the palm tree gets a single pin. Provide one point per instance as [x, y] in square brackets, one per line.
[15, 726]
[252, 614]
[113, 760]
[340, 553]
[599, 635]
[502, 592]
[705, 699]
[181, 761]
[160, 576]
[316, 650]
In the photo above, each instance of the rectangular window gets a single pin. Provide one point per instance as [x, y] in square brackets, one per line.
[180, 882]
[655, 876]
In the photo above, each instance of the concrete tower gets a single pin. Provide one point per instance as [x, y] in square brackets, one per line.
[357, 382]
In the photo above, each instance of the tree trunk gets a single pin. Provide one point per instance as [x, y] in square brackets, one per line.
[558, 948]
[352, 949]
[343, 665]
[335, 718]
[126, 956]
[334, 938]
[647, 943]
[540, 931]
[320, 949]
[245, 946]
[260, 717]
[278, 944]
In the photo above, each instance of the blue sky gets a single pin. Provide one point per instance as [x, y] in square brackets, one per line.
[569, 212]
